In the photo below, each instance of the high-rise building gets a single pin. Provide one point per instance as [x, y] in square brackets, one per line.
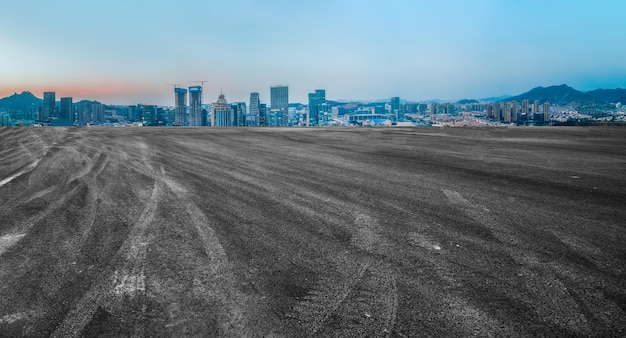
[263, 118]
[49, 106]
[67, 108]
[149, 115]
[536, 107]
[506, 112]
[315, 100]
[546, 112]
[279, 102]
[514, 111]
[221, 113]
[395, 109]
[254, 115]
[497, 115]
[525, 107]
[239, 114]
[195, 106]
[180, 107]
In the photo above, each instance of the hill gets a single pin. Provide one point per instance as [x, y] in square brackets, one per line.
[562, 95]
[24, 101]
[467, 101]
[609, 95]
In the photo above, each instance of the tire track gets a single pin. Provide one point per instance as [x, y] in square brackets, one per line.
[127, 281]
[550, 299]
[219, 281]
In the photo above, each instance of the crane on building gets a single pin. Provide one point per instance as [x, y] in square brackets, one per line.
[200, 81]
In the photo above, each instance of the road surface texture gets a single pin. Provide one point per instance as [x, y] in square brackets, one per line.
[390, 232]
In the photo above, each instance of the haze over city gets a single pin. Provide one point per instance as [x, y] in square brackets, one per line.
[125, 52]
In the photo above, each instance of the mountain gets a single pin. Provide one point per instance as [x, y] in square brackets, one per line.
[23, 101]
[609, 95]
[467, 101]
[496, 98]
[562, 95]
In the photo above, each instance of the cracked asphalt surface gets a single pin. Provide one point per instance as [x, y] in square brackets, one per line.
[235, 232]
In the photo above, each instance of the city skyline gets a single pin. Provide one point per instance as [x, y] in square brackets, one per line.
[124, 52]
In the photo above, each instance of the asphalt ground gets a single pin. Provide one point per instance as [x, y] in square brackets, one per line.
[382, 232]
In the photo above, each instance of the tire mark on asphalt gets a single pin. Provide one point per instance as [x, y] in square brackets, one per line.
[129, 280]
[125, 282]
[221, 283]
[550, 298]
[9, 240]
[25, 170]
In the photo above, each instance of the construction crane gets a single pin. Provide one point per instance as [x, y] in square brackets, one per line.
[173, 84]
[200, 81]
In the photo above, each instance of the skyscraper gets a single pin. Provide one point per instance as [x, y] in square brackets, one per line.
[255, 111]
[221, 113]
[280, 102]
[315, 100]
[180, 100]
[67, 109]
[546, 112]
[195, 106]
[525, 107]
[49, 106]
[395, 109]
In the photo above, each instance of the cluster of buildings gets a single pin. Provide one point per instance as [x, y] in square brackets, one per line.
[189, 110]
[513, 112]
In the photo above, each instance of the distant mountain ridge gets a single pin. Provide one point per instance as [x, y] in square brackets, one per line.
[562, 95]
[24, 101]
[609, 95]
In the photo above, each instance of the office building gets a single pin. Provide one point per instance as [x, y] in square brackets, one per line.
[279, 102]
[255, 110]
[546, 112]
[49, 106]
[315, 100]
[195, 106]
[180, 106]
[239, 114]
[67, 108]
[395, 109]
[148, 115]
[263, 118]
[221, 113]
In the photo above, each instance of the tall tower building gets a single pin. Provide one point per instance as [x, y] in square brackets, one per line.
[49, 106]
[496, 112]
[315, 101]
[525, 107]
[514, 111]
[67, 108]
[546, 112]
[195, 106]
[255, 110]
[395, 109]
[279, 102]
[221, 113]
[180, 107]
[536, 107]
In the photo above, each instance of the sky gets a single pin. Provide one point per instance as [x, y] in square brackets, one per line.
[134, 51]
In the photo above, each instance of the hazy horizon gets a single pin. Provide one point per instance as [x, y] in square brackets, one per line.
[122, 52]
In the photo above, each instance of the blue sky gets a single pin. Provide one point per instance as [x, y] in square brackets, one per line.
[124, 51]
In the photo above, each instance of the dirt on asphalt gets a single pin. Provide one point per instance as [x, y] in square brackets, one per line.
[276, 232]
